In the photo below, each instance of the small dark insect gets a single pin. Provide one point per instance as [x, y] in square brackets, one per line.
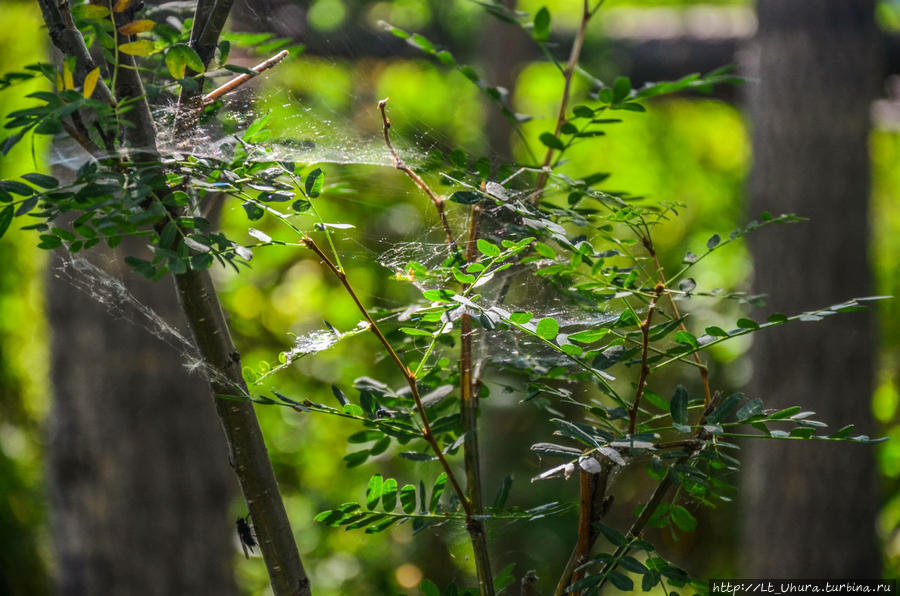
[246, 535]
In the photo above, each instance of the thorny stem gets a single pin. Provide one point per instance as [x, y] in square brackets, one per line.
[401, 165]
[645, 367]
[568, 72]
[469, 415]
[410, 377]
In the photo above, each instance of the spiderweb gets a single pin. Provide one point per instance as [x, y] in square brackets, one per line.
[341, 130]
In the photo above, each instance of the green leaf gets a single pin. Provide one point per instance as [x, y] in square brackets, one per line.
[621, 89]
[16, 187]
[682, 518]
[843, 433]
[650, 580]
[724, 409]
[552, 141]
[750, 409]
[315, 181]
[633, 565]
[745, 323]
[589, 335]
[416, 332]
[423, 43]
[656, 399]
[301, 205]
[254, 211]
[463, 278]
[611, 534]
[678, 405]
[428, 588]
[621, 581]
[179, 57]
[685, 338]
[466, 197]
[547, 328]
[716, 331]
[488, 249]
[5, 218]
[374, 491]
[520, 318]
[42, 180]
[389, 495]
[436, 491]
[257, 131]
[544, 250]
[541, 29]
[503, 492]
[785, 413]
[408, 498]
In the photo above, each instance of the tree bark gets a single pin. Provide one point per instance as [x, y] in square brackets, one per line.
[140, 486]
[809, 510]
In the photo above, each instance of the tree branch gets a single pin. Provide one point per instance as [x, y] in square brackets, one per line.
[249, 456]
[400, 165]
[645, 367]
[569, 71]
[408, 375]
[200, 303]
[469, 415]
[593, 505]
[242, 78]
[704, 371]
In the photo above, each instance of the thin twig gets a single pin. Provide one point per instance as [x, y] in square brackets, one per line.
[645, 367]
[568, 72]
[242, 78]
[638, 526]
[469, 415]
[401, 165]
[593, 506]
[86, 143]
[427, 433]
[704, 370]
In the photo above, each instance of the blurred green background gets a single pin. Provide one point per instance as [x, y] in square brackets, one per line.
[692, 150]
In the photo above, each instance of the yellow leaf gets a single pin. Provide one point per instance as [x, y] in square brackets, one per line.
[89, 11]
[144, 47]
[68, 81]
[121, 5]
[134, 27]
[59, 82]
[90, 82]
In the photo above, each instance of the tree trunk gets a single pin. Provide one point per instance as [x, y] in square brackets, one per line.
[809, 510]
[140, 485]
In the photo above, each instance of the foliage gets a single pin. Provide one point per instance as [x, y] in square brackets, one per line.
[588, 364]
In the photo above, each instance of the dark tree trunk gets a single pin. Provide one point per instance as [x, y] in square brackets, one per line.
[809, 510]
[139, 480]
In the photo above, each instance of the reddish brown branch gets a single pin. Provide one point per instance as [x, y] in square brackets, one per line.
[243, 78]
[645, 349]
[408, 375]
[401, 165]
